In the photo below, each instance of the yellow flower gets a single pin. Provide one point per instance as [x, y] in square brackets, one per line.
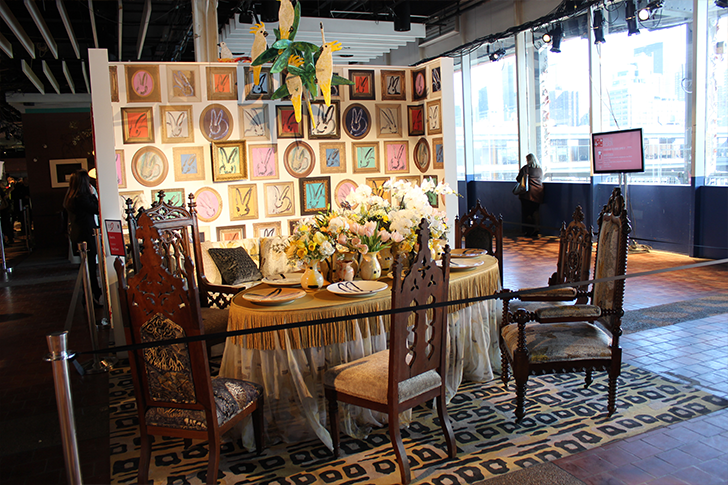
[311, 246]
[303, 228]
[301, 253]
[319, 238]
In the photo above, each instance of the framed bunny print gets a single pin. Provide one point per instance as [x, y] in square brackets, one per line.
[177, 124]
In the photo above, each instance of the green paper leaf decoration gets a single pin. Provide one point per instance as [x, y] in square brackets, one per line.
[337, 80]
[267, 56]
[281, 92]
[281, 44]
[305, 46]
[296, 20]
[296, 71]
[282, 62]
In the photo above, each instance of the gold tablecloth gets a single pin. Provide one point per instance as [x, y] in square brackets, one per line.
[319, 304]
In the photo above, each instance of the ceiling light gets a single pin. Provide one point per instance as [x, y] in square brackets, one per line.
[546, 37]
[556, 39]
[649, 10]
[631, 17]
[598, 27]
[496, 55]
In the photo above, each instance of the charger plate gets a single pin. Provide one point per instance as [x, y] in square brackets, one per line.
[461, 264]
[357, 288]
[285, 279]
[467, 253]
[278, 296]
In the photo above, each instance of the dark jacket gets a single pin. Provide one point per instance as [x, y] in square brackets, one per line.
[535, 185]
[81, 220]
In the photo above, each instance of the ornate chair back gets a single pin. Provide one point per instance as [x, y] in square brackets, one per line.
[482, 230]
[575, 249]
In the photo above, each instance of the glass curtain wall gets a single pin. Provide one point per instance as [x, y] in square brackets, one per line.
[716, 163]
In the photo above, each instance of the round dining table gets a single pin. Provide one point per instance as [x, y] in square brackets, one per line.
[290, 363]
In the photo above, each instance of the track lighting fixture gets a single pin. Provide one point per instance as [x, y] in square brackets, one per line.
[556, 34]
[721, 3]
[649, 10]
[631, 17]
[496, 55]
[598, 27]
[546, 37]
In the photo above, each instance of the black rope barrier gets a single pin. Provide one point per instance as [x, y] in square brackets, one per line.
[502, 295]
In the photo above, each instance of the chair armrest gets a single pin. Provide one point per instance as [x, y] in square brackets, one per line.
[556, 294]
[220, 296]
[568, 313]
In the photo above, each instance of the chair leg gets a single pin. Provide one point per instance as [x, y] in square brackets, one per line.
[186, 443]
[333, 419]
[614, 370]
[258, 417]
[505, 370]
[396, 437]
[452, 448]
[145, 457]
[213, 460]
[587, 379]
[520, 374]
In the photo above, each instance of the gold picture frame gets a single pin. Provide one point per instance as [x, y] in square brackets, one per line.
[255, 122]
[438, 154]
[243, 202]
[137, 125]
[120, 165]
[389, 120]
[332, 157]
[222, 83]
[229, 161]
[61, 170]
[230, 233]
[365, 157]
[183, 83]
[279, 199]
[263, 161]
[377, 185]
[394, 86]
[149, 166]
[189, 163]
[434, 117]
[208, 204]
[299, 159]
[396, 156]
[114, 83]
[266, 229]
[177, 123]
[142, 83]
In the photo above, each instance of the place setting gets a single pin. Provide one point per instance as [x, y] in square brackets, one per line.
[276, 296]
[461, 264]
[283, 279]
[357, 288]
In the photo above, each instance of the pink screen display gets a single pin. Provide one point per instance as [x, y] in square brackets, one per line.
[618, 151]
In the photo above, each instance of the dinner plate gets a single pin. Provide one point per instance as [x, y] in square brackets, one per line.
[279, 296]
[285, 279]
[456, 264]
[467, 253]
[357, 288]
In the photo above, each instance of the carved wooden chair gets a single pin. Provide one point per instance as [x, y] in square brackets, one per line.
[412, 371]
[177, 228]
[174, 392]
[575, 250]
[571, 338]
[482, 230]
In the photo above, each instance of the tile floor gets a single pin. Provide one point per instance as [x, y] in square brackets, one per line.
[35, 297]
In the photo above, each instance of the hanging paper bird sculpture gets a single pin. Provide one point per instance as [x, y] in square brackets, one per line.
[226, 54]
[324, 66]
[295, 86]
[286, 15]
[259, 46]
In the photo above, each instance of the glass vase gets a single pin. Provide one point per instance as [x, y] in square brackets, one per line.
[370, 269]
[312, 277]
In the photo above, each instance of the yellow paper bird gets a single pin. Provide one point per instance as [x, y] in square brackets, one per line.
[324, 66]
[285, 18]
[295, 87]
[259, 46]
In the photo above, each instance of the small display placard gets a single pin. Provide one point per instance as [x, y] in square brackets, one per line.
[115, 237]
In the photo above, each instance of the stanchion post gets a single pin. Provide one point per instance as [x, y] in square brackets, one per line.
[59, 356]
[102, 270]
[90, 313]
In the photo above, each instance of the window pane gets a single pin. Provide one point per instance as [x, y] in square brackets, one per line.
[562, 106]
[716, 149]
[645, 84]
[459, 130]
[495, 117]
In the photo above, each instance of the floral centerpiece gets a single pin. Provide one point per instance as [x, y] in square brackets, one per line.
[311, 245]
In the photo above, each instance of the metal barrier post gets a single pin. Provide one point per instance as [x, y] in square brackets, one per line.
[2, 253]
[59, 357]
[102, 270]
[98, 365]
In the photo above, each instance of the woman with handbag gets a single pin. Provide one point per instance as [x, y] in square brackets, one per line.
[530, 190]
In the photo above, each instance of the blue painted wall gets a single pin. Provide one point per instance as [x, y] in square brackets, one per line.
[663, 216]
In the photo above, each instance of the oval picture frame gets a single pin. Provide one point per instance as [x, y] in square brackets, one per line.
[421, 155]
[149, 166]
[216, 123]
[299, 159]
[340, 195]
[208, 203]
[357, 121]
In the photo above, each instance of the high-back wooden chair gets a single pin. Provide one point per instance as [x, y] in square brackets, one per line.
[570, 338]
[412, 370]
[177, 243]
[174, 392]
[481, 230]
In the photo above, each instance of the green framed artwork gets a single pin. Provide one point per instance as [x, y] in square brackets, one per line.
[315, 195]
[365, 157]
[172, 196]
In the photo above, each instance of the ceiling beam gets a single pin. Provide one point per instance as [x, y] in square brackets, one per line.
[146, 15]
[85, 76]
[51, 78]
[69, 28]
[93, 22]
[6, 46]
[31, 75]
[69, 78]
[17, 29]
[40, 23]
[119, 26]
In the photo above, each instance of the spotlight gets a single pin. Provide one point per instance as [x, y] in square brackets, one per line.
[496, 55]
[402, 16]
[721, 3]
[546, 37]
[649, 10]
[598, 27]
[631, 17]
[556, 39]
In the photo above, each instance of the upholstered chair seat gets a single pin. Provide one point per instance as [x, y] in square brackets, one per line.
[560, 342]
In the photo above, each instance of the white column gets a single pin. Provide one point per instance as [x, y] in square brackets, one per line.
[699, 66]
[204, 21]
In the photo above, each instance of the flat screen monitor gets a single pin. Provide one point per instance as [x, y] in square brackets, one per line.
[618, 151]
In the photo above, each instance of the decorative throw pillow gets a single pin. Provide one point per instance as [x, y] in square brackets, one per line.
[235, 265]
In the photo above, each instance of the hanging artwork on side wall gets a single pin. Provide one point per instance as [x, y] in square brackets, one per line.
[183, 84]
[222, 83]
[436, 86]
[177, 124]
[142, 83]
[263, 162]
[393, 85]
[255, 123]
[315, 195]
[419, 84]
[137, 125]
[415, 120]
[228, 161]
[243, 202]
[434, 118]
[332, 157]
[114, 84]
[299, 159]
[357, 121]
[216, 123]
[189, 163]
[149, 166]
[421, 155]
[120, 169]
[279, 199]
[209, 204]
[438, 154]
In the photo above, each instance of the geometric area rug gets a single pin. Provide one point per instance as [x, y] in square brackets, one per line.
[562, 418]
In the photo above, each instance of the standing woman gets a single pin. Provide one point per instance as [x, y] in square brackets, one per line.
[533, 197]
[82, 205]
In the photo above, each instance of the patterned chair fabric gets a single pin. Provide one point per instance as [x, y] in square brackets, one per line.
[174, 392]
[482, 230]
[411, 371]
[570, 338]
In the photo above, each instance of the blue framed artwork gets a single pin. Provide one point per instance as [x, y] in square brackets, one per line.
[438, 154]
[357, 121]
[189, 163]
[332, 157]
[315, 195]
